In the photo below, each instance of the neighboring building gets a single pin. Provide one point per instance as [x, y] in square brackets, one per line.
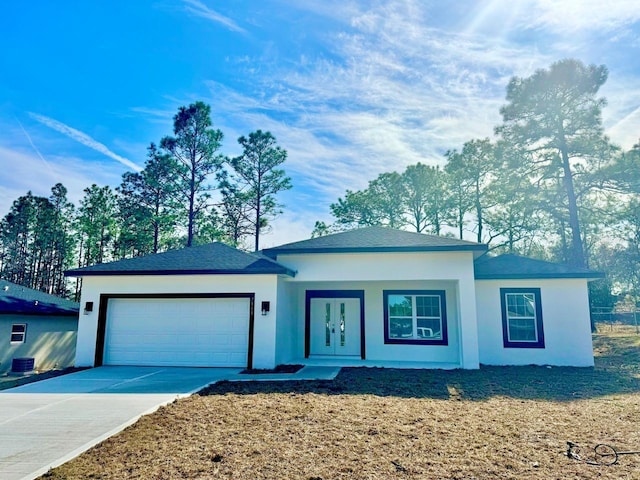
[372, 296]
[38, 325]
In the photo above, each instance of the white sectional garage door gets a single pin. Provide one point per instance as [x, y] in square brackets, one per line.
[195, 332]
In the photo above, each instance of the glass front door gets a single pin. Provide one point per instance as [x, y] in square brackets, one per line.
[335, 326]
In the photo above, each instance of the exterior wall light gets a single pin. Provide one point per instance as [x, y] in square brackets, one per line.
[265, 308]
[88, 307]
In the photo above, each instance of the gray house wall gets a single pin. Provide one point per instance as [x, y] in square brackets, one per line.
[51, 340]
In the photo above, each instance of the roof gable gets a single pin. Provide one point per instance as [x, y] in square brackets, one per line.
[510, 266]
[17, 299]
[213, 258]
[375, 239]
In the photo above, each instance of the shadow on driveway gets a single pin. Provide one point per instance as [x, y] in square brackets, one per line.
[153, 380]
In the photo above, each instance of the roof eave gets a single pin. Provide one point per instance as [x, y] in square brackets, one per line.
[44, 314]
[108, 273]
[442, 248]
[540, 276]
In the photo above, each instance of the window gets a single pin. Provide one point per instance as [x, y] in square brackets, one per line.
[415, 317]
[521, 318]
[18, 332]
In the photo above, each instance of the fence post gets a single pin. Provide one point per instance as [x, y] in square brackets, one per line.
[611, 320]
[635, 321]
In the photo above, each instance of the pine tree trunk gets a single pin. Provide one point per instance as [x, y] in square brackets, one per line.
[577, 253]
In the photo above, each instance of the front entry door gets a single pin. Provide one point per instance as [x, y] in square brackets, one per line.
[335, 326]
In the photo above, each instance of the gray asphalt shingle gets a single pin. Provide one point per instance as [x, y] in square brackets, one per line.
[510, 266]
[16, 299]
[376, 239]
[212, 258]
[218, 258]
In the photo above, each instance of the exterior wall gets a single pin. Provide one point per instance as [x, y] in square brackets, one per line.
[375, 272]
[565, 315]
[263, 286]
[375, 348]
[51, 340]
[287, 327]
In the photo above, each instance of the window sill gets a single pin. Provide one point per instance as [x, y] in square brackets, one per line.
[400, 341]
[523, 345]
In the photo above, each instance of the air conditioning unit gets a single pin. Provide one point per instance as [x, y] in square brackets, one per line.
[22, 366]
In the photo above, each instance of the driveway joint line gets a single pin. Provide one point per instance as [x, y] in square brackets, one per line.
[135, 378]
[43, 407]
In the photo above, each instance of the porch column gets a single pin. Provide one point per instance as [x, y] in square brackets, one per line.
[469, 351]
[264, 328]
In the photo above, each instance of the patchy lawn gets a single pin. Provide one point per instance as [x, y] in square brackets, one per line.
[499, 422]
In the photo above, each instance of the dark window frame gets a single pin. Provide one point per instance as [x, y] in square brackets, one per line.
[539, 343]
[414, 341]
[23, 333]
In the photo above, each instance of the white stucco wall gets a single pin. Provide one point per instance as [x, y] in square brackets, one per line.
[263, 286]
[50, 340]
[565, 314]
[287, 323]
[375, 272]
[375, 348]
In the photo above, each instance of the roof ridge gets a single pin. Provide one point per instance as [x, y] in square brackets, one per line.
[375, 239]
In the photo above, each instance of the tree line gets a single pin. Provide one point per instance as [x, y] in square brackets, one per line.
[550, 184]
[188, 193]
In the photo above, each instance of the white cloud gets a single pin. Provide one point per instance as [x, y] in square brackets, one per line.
[200, 9]
[396, 87]
[570, 16]
[287, 228]
[395, 92]
[35, 149]
[621, 116]
[28, 174]
[626, 132]
[83, 138]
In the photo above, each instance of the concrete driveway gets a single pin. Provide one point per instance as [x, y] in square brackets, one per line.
[45, 424]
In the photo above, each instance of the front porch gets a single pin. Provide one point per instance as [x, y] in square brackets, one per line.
[317, 361]
[352, 324]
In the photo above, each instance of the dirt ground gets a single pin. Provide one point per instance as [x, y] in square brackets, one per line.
[495, 423]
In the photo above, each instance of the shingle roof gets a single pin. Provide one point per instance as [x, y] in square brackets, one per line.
[16, 299]
[516, 267]
[212, 258]
[376, 239]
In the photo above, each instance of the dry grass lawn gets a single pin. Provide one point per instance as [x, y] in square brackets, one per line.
[496, 423]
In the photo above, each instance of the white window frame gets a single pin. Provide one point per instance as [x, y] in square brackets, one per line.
[23, 333]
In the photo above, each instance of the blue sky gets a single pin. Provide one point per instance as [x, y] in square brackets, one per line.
[350, 88]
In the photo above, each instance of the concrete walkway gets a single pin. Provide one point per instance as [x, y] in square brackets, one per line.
[306, 373]
[47, 423]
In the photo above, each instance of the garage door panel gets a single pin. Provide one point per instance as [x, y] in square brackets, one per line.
[239, 339]
[177, 332]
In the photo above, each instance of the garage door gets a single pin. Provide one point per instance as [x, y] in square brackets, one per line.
[197, 332]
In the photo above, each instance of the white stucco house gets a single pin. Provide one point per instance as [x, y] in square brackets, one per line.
[366, 297]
